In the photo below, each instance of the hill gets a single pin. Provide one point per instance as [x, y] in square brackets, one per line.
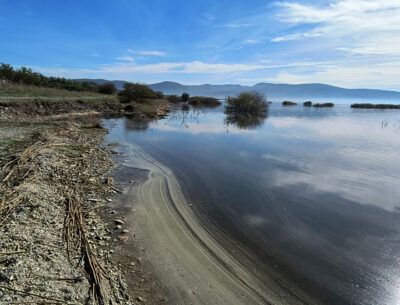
[271, 90]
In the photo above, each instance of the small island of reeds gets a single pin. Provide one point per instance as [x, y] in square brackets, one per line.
[247, 110]
[288, 103]
[324, 105]
[307, 104]
[375, 106]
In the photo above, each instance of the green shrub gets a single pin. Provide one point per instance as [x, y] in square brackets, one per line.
[375, 106]
[159, 94]
[107, 88]
[203, 101]
[185, 97]
[174, 99]
[136, 92]
[26, 76]
[324, 105]
[246, 102]
[289, 103]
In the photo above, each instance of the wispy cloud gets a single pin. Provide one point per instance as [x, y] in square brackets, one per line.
[253, 41]
[125, 58]
[194, 67]
[365, 25]
[148, 53]
[295, 36]
[236, 25]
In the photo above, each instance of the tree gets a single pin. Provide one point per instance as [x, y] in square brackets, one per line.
[174, 99]
[136, 91]
[107, 88]
[6, 73]
[185, 97]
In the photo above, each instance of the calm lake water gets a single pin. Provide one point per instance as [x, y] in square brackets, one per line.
[314, 193]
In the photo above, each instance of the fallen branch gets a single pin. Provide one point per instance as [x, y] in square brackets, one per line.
[35, 295]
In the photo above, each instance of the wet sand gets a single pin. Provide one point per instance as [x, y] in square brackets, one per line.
[189, 262]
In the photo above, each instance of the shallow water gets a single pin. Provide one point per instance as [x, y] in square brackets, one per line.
[312, 193]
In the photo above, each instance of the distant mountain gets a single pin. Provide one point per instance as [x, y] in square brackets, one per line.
[272, 91]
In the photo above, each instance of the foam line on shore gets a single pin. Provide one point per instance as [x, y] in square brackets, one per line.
[194, 266]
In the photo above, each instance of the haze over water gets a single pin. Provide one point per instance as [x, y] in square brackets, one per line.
[313, 193]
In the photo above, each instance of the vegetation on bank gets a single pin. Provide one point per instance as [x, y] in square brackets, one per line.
[174, 99]
[288, 103]
[185, 97]
[375, 106]
[324, 105]
[195, 101]
[204, 101]
[25, 76]
[138, 93]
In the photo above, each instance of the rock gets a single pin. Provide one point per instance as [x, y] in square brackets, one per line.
[109, 180]
[109, 200]
[125, 231]
[119, 221]
[93, 200]
[122, 238]
[118, 227]
[140, 299]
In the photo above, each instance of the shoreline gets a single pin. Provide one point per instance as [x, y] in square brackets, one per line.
[53, 186]
[171, 241]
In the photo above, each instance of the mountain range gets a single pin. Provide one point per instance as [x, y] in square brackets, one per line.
[270, 90]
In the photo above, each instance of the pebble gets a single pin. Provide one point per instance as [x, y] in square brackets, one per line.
[125, 231]
[93, 200]
[118, 221]
[118, 227]
[140, 299]
[109, 200]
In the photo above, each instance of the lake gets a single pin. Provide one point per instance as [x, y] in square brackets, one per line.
[311, 194]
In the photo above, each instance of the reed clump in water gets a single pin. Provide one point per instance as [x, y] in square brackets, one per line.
[307, 104]
[289, 103]
[375, 106]
[324, 105]
[246, 102]
[247, 110]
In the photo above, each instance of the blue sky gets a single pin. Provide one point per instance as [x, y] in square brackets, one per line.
[349, 43]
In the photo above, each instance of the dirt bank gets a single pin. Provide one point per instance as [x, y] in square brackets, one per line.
[45, 109]
[53, 244]
[54, 247]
